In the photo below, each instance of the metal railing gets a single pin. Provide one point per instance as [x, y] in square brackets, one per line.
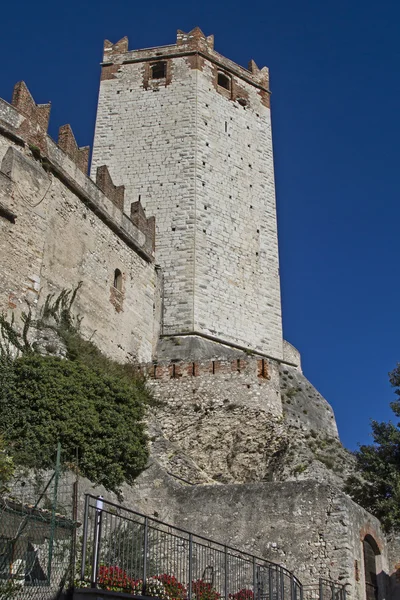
[324, 590]
[129, 552]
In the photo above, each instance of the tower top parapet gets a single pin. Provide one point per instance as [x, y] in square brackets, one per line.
[193, 43]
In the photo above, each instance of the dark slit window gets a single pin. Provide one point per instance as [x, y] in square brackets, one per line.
[118, 280]
[224, 81]
[159, 70]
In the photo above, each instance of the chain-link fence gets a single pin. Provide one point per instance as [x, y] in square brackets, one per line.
[37, 535]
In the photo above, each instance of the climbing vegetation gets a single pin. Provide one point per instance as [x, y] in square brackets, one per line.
[94, 406]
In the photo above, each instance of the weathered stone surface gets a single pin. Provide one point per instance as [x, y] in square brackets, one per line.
[311, 528]
[223, 415]
[206, 173]
[314, 450]
[57, 240]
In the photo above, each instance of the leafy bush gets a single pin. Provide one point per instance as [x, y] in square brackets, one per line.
[91, 404]
[6, 466]
[50, 399]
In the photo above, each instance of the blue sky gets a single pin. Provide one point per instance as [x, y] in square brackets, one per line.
[335, 87]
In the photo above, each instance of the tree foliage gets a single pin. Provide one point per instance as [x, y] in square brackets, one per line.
[377, 488]
[93, 405]
[6, 466]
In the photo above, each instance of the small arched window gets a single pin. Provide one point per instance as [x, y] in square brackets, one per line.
[118, 280]
[224, 81]
[159, 70]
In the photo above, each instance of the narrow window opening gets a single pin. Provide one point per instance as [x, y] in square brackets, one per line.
[155, 372]
[213, 367]
[193, 369]
[224, 81]
[118, 280]
[226, 126]
[173, 371]
[262, 368]
[238, 365]
[159, 70]
[139, 197]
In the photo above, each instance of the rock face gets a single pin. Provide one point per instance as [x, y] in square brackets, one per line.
[232, 417]
[223, 415]
[314, 450]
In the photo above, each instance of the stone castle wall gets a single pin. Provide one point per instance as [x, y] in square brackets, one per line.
[224, 415]
[199, 156]
[310, 527]
[59, 228]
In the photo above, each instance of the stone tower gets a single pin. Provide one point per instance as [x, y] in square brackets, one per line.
[188, 133]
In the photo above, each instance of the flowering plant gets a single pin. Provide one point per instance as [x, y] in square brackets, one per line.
[203, 590]
[244, 594]
[114, 579]
[154, 587]
[173, 588]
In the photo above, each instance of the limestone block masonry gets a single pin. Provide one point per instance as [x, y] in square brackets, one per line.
[57, 228]
[188, 132]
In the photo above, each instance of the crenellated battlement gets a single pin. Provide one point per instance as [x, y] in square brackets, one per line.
[67, 143]
[26, 124]
[256, 367]
[193, 43]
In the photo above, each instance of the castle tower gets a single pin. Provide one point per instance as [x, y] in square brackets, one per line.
[188, 133]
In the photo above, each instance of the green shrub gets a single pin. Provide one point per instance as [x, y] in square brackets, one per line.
[91, 404]
[99, 415]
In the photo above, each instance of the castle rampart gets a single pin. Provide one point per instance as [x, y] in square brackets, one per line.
[59, 228]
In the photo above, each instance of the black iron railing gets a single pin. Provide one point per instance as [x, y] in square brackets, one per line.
[324, 590]
[129, 552]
